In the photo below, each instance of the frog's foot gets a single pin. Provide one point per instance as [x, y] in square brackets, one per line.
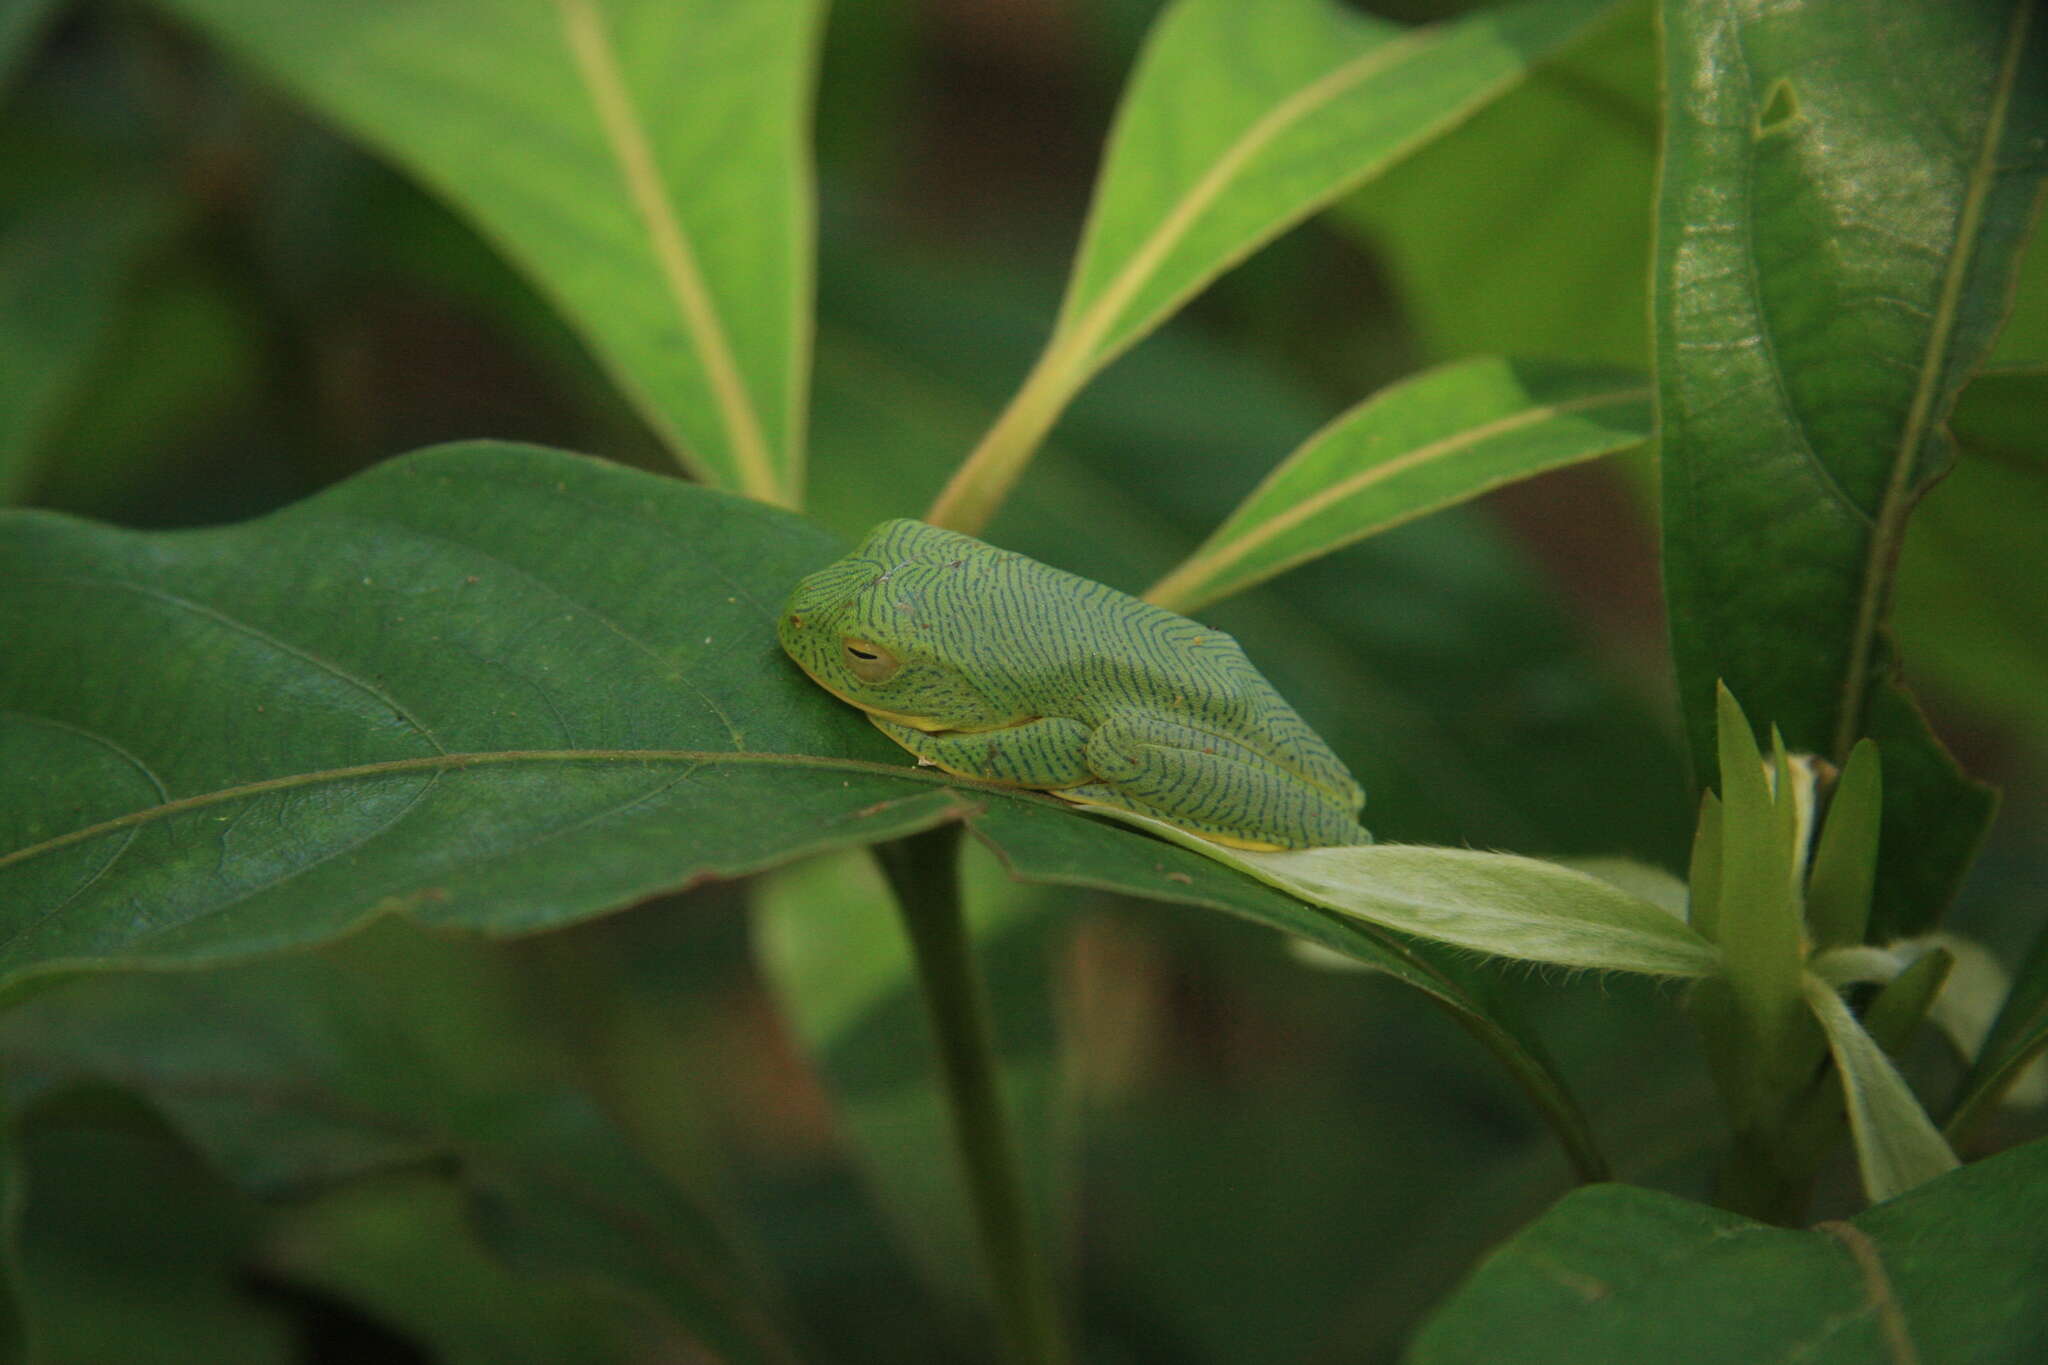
[1040, 754]
[1209, 785]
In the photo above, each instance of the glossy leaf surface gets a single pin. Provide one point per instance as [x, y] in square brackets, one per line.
[643, 161]
[1417, 447]
[1846, 189]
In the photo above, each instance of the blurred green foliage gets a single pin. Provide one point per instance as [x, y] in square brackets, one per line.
[212, 304]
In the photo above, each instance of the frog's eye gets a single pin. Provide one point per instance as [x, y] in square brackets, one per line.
[870, 663]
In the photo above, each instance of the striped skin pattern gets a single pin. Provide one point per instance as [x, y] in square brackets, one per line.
[993, 666]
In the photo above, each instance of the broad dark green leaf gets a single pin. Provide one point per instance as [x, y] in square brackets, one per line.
[1526, 231]
[1415, 448]
[643, 161]
[1846, 187]
[512, 689]
[1955, 1272]
[488, 686]
[1240, 121]
[63, 265]
[398, 1052]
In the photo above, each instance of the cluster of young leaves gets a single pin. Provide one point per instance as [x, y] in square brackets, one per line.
[515, 689]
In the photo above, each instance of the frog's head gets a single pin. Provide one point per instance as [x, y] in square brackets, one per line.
[872, 630]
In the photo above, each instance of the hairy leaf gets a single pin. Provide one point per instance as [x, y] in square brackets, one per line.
[1897, 1145]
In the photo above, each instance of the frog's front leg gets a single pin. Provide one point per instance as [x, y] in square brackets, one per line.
[1040, 754]
[1210, 785]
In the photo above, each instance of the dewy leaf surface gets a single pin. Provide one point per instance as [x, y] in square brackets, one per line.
[1418, 446]
[1846, 188]
[1613, 1275]
[643, 161]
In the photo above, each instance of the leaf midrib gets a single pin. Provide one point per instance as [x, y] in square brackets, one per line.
[591, 47]
[447, 762]
[1206, 568]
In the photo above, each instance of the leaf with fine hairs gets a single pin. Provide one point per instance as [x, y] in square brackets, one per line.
[1897, 1145]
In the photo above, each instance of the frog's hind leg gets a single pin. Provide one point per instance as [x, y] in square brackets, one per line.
[1041, 754]
[1209, 785]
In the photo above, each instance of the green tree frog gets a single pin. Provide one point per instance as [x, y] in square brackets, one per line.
[992, 666]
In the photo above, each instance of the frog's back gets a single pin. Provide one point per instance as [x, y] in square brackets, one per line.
[1025, 626]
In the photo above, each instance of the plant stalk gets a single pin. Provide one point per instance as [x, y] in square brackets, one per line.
[923, 870]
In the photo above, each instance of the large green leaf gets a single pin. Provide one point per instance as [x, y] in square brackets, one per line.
[1240, 121]
[1417, 447]
[1956, 1271]
[489, 686]
[642, 160]
[398, 1052]
[512, 690]
[1846, 187]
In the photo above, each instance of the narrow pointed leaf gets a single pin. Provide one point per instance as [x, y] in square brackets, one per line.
[1759, 924]
[1616, 1275]
[1845, 864]
[1424, 444]
[643, 161]
[1703, 901]
[1846, 186]
[1241, 120]
[1520, 908]
[1897, 1145]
